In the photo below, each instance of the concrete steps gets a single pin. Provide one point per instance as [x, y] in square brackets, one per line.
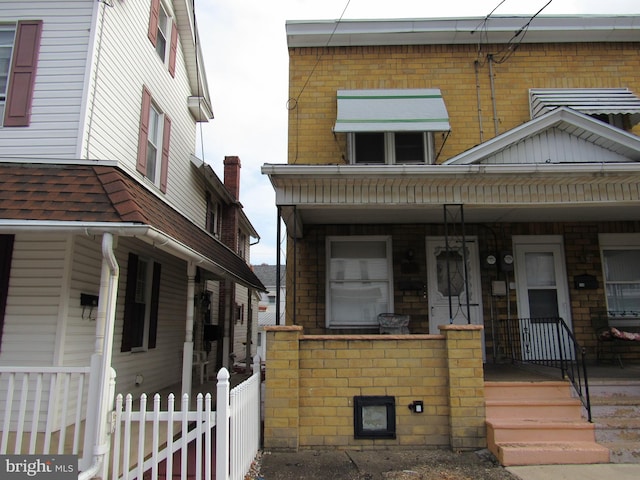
[615, 407]
[539, 423]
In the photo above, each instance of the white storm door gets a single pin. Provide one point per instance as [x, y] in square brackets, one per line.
[542, 292]
[447, 292]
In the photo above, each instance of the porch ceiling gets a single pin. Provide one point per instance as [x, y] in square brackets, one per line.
[490, 193]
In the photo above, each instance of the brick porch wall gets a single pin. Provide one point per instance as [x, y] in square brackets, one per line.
[311, 381]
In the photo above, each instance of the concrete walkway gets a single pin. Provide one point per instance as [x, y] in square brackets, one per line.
[617, 471]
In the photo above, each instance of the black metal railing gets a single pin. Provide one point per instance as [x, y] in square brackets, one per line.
[550, 343]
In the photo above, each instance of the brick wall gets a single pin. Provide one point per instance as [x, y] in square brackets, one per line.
[582, 254]
[311, 381]
[452, 70]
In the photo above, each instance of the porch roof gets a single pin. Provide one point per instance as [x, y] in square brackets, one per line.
[561, 166]
[104, 198]
[337, 194]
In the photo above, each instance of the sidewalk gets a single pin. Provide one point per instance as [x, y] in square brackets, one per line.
[434, 464]
[617, 471]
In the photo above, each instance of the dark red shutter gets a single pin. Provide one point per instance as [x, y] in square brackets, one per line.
[155, 303]
[154, 16]
[22, 76]
[6, 254]
[173, 50]
[130, 310]
[143, 135]
[164, 166]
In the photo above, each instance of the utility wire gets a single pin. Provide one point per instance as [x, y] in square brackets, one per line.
[511, 47]
[293, 102]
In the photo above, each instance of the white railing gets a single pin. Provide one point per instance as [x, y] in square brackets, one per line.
[244, 424]
[160, 443]
[43, 409]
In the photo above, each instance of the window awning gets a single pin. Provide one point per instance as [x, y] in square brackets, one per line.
[590, 101]
[398, 110]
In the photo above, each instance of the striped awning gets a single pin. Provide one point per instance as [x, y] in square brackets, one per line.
[398, 110]
[590, 101]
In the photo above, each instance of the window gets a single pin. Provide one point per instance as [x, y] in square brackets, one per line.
[620, 260]
[142, 298]
[163, 32]
[153, 142]
[618, 107]
[391, 126]
[622, 281]
[7, 34]
[391, 147]
[19, 48]
[359, 281]
[6, 254]
[214, 218]
[242, 244]
[161, 35]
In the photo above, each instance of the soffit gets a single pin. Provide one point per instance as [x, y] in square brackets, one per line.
[471, 30]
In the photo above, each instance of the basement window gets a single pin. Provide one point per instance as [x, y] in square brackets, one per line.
[374, 417]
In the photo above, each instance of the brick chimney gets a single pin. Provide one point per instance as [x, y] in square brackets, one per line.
[232, 176]
[230, 215]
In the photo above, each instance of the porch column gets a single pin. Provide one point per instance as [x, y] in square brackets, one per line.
[100, 390]
[463, 347]
[282, 387]
[187, 349]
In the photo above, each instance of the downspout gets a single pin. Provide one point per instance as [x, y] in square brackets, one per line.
[493, 95]
[100, 388]
[187, 350]
[278, 260]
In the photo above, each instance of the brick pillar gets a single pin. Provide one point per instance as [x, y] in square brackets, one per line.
[463, 346]
[282, 386]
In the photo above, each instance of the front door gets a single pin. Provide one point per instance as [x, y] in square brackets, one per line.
[454, 290]
[542, 292]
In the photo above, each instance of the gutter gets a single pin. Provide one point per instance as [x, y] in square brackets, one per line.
[319, 171]
[145, 233]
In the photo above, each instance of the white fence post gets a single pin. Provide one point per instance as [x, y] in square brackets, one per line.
[222, 425]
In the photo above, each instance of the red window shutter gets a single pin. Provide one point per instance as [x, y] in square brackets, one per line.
[174, 49]
[22, 76]
[164, 166]
[143, 136]
[153, 21]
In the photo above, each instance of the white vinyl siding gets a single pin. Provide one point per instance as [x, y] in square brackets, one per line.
[161, 366]
[554, 146]
[59, 84]
[127, 61]
[35, 296]
[79, 340]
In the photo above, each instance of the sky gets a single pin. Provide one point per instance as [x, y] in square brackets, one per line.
[245, 56]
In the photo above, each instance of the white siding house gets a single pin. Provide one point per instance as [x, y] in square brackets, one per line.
[110, 228]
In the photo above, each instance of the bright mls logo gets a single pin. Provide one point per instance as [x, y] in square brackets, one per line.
[50, 467]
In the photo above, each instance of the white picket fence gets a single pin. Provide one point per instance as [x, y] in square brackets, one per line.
[152, 443]
[43, 409]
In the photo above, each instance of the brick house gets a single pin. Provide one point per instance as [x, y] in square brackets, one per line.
[459, 172]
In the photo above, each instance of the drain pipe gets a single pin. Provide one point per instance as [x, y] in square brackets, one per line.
[100, 383]
[493, 95]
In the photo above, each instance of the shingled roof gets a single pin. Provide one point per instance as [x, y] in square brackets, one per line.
[105, 194]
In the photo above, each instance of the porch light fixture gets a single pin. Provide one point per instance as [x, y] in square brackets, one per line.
[374, 417]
